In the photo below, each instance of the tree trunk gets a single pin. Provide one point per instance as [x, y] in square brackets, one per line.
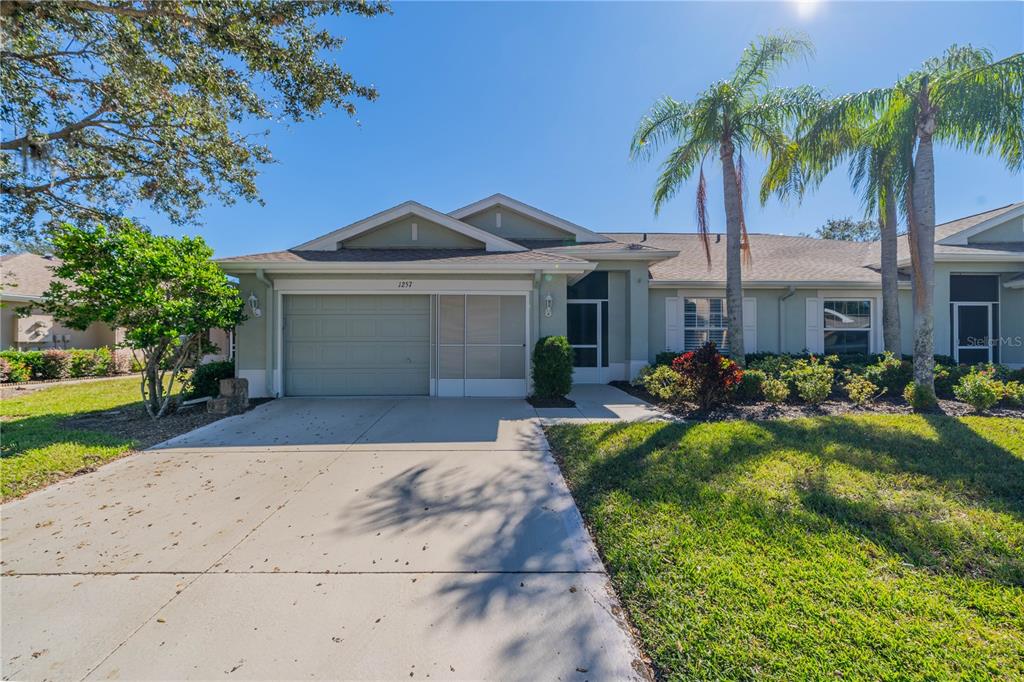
[922, 244]
[890, 274]
[733, 254]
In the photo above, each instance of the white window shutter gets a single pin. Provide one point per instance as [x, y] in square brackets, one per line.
[749, 325]
[814, 340]
[673, 327]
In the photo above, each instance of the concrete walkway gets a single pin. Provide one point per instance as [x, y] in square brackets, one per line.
[317, 539]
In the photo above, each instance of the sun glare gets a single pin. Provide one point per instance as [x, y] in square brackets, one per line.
[806, 8]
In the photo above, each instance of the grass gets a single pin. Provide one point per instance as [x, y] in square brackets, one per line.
[864, 547]
[37, 450]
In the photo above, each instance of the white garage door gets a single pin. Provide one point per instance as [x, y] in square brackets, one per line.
[357, 345]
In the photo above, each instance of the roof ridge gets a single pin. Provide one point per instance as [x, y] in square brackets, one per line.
[973, 215]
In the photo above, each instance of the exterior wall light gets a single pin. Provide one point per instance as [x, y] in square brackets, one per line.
[254, 305]
[547, 305]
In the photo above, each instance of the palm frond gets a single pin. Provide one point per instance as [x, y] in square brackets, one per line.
[667, 121]
[702, 216]
[765, 54]
[677, 169]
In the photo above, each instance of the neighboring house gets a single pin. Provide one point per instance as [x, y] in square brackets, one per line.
[23, 279]
[412, 301]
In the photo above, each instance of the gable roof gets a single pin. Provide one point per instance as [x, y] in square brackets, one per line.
[25, 276]
[960, 230]
[330, 240]
[951, 238]
[582, 234]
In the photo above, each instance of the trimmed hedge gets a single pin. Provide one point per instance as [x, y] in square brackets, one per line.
[55, 364]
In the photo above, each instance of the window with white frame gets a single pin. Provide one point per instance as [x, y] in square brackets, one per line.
[705, 319]
[847, 326]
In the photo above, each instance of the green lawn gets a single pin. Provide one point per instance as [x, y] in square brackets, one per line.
[37, 449]
[867, 547]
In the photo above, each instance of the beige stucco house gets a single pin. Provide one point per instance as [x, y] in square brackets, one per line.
[23, 279]
[413, 301]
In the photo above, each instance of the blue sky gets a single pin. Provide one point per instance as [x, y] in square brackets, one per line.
[538, 101]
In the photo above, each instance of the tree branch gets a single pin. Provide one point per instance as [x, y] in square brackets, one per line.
[18, 143]
[36, 189]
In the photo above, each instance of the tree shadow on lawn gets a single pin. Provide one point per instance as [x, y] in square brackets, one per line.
[939, 494]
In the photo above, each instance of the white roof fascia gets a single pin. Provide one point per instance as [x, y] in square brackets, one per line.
[961, 238]
[329, 241]
[582, 234]
[980, 257]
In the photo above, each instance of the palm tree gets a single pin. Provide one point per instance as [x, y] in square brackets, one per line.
[732, 116]
[964, 98]
[879, 168]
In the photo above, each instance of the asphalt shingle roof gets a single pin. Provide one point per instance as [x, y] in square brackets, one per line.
[26, 274]
[775, 258]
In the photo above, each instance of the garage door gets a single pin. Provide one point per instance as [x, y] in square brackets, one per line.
[357, 345]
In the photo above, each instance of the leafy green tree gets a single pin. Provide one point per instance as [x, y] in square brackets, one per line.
[111, 102]
[166, 294]
[965, 99]
[741, 114]
[848, 230]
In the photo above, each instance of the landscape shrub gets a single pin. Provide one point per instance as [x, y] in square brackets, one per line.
[123, 361]
[98, 362]
[665, 358]
[861, 390]
[662, 382]
[55, 364]
[774, 390]
[205, 380]
[749, 388]
[552, 367]
[707, 375]
[919, 397]
[31, 360]
[5, 370]
[979, 389]
[1013, 392]
[890, 373]
[17, 371]
[772, 365]
[812, 378]
[948, 376]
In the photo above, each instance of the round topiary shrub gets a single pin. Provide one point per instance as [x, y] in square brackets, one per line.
[552, 367]
[205, 380]
[749, 388]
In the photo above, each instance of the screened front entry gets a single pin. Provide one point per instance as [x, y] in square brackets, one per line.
[481, 345]
[587, 328]
[974, 309]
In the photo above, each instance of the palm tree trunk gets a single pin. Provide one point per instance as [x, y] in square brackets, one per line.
[922, 244]
[890, 291]
[733, 254]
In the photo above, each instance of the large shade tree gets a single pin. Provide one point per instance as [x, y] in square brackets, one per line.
[111, 102]
[966, 99]
[742, 114]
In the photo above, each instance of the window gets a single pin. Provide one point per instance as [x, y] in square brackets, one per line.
[705, 319]
[847, 326]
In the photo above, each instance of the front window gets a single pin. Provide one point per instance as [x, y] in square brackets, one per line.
[705, 319]
[847, 326]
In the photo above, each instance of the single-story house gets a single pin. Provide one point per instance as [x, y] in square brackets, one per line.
[24, 277]
[413, 301]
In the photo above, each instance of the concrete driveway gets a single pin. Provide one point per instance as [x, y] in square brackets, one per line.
[316, 539]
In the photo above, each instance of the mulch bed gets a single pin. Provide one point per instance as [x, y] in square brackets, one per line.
[133, 423]
[792, 410]
[550, 402]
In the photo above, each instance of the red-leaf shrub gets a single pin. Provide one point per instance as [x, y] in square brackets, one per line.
[709, 376]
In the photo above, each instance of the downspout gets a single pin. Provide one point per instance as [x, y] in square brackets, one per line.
[538, 277]
[782, 306]
[269, 354]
